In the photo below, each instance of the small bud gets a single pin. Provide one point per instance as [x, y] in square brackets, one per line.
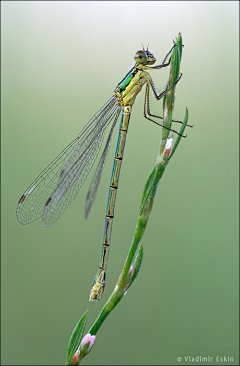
[75, 358]
[168, 146]
[134, 268]
[86, 345]
[129, 278]
[131, 270]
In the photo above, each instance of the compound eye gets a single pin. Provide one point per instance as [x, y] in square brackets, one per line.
[140, 57]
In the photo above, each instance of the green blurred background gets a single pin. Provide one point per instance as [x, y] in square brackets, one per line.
[60, 63]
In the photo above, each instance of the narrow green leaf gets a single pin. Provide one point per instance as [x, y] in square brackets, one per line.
[76, 338]
[147, 188]
[176, 58]
[179, 44]
[168, 99]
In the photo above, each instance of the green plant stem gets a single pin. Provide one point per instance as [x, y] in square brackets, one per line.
[149, 189]
[133, 261]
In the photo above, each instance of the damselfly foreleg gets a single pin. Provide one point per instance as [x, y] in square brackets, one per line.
[146, 110]
[158, 97]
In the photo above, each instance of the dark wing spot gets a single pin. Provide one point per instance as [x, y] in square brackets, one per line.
[22, 199]
[48, 201]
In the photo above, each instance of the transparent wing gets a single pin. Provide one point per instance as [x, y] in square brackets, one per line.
[92, 192]
[55, 188]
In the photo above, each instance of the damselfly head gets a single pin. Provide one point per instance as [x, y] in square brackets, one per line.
[144, 57]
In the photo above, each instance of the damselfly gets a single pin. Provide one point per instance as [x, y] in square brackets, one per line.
[55, 188]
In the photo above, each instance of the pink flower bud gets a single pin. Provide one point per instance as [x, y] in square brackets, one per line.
[168, 146]
[132, 270]
[86, 344]
[75, 357]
